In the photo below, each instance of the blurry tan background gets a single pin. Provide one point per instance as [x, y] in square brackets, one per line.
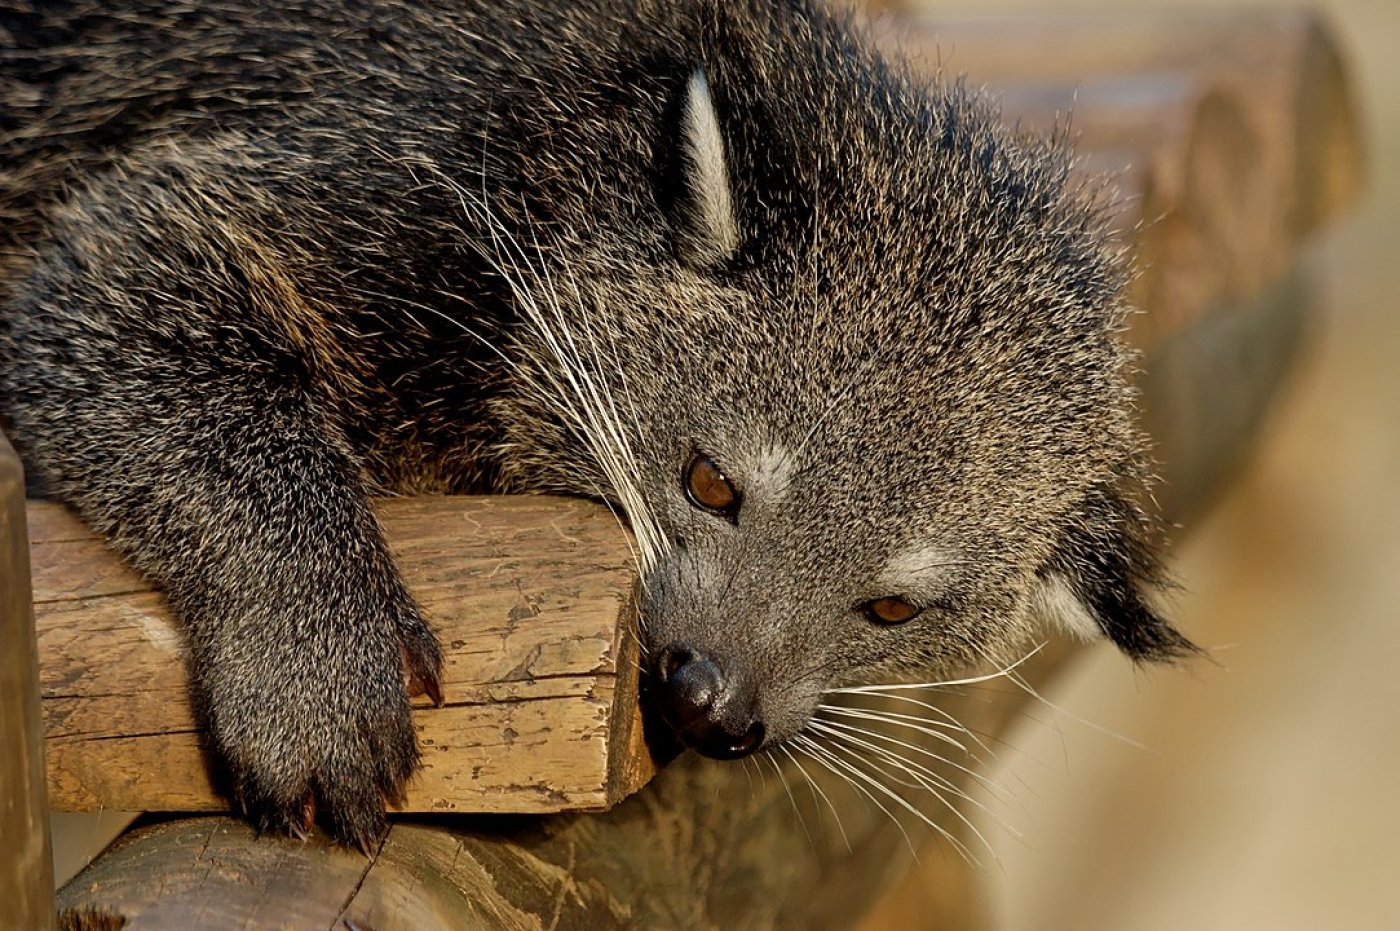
[1266, 793]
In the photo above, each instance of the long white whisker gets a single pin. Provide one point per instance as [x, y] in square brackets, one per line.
[900, 720]
[615, 455]
[952, 722]
[832, 762]
[777, 768]
[1020, 682]
[915, 770]
[817, 790]
[628, 465]
[602, 434]
[932, 781]
[856, 735]
[946, 683]
[894, 797]
[935, 786]
[831, 727]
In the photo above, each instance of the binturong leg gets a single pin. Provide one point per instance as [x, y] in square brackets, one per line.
[165, 376]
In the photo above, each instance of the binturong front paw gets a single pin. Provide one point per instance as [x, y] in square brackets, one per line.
[314, 721]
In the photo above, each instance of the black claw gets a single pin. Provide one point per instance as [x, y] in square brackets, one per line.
[423, 661]
[434, 690]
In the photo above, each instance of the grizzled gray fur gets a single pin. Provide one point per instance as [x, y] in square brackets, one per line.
[259, 262]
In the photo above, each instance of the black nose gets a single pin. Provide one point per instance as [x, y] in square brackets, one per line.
[698, 703]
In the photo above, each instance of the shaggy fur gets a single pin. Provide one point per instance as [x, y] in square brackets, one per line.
[261, 261]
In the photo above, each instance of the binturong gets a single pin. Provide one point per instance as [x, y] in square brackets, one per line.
[839, 347]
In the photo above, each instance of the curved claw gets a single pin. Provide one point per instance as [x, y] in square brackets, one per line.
[420, 684]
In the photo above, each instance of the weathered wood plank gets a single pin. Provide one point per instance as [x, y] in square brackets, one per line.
[529, 596]
[26, 868]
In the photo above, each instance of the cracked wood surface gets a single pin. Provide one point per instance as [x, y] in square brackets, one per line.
[530, 597]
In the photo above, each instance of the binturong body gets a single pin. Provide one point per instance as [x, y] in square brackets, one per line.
[838, 346]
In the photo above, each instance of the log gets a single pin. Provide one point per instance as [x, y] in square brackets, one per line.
[531, 600]
[1272, 154]
[758, 845]
[26, 870]
[1283, 65]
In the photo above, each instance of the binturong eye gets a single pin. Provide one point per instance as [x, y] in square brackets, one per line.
[709, 489]
[890, 610]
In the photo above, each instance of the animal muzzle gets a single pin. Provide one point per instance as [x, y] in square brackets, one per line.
[700, 703]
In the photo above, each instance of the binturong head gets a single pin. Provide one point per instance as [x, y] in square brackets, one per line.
[867, 413]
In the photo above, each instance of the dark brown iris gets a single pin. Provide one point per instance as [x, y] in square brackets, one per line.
[709, 488]
[891, 610]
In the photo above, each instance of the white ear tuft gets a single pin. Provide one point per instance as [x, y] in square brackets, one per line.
[708, 233]
[1057, 604]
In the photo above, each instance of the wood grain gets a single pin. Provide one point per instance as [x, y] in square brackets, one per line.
[530, 597]
[26, 868]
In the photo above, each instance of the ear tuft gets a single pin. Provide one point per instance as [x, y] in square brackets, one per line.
[1098, 579]
[708, 233]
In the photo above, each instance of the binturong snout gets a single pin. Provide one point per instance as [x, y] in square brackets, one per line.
[705, 708]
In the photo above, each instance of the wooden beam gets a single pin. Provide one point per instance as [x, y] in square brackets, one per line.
[26, 869]
[530, 597]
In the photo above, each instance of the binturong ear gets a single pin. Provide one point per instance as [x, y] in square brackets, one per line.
[706, 230]
[1097, 582]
